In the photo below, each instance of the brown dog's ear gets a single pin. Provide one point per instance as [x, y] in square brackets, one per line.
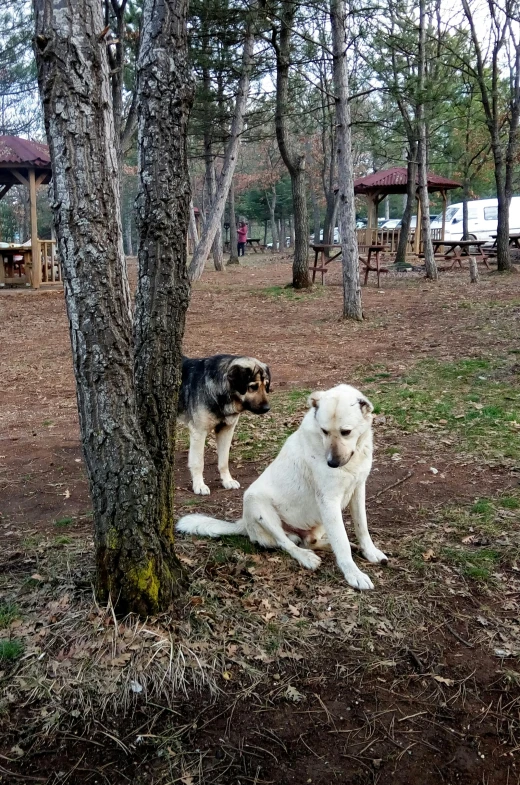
[267, 380]
[366, 406]
[314, 398]
[239, 378]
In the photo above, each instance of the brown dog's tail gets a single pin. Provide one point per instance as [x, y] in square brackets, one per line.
[208, 527]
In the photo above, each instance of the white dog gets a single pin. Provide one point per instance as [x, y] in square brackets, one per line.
[299, 498]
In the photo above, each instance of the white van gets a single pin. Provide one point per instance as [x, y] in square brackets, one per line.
[482, 219]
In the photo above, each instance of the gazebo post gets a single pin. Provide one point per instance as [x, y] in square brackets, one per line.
[36, 276]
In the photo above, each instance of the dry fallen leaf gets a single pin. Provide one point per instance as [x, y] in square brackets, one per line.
[294, 610]
[226, 675]
[292, 694]
[442, 680]
[428, 555]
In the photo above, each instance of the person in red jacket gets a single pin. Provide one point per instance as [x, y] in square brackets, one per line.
[242, 238]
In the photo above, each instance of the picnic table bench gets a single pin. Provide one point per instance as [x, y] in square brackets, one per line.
[514, 240]
[459, 249]
[321, 260]
[256, 244]
[376, 251]
[321, 250]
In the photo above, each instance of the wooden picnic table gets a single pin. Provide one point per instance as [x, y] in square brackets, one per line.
[375, 250]
[514, 240]
[320, 250]
[459, 249]
[256, 243]
[15, 258]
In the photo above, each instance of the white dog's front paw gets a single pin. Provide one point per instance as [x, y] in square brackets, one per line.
[357, 579]
[308, 559]
[374, 555]
[200, 487]
[230, 484]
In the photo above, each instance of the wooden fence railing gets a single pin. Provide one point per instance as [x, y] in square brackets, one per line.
[51, 268]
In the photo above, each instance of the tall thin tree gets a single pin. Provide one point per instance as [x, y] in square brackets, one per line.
[352, 308]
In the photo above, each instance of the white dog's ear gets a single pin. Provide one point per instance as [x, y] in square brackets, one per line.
[366, 406]
[314, 398]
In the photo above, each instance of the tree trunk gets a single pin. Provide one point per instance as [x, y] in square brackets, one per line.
[213, 221]
[293, 159]
[193, 225]
[429, 259]
[128, 234]
[233, 237]
[316, 215]
[352, 308]
[271, 201]
[127, 466]
[503, 252]
[465, 199]
[400, 257]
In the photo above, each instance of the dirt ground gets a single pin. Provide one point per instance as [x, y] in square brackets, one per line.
[403, 685]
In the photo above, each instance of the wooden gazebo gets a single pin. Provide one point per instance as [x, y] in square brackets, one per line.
[24, 162]
[380, 184]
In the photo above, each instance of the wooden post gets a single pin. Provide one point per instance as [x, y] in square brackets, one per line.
[417, 237]
[473, 270]
[36, 277]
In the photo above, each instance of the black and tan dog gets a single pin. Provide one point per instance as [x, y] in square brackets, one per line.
[214, 391]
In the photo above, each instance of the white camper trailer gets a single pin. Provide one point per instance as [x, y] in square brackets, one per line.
[482, 219]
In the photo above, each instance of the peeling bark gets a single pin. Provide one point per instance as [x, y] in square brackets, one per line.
[129, 462]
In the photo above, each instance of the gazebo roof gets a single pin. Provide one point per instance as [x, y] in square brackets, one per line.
[20, 155]
[394, 181]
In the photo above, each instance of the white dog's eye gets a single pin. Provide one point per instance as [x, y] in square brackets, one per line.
[325, 432]
[346, 433]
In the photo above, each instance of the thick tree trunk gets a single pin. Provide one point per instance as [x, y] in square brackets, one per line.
[136, 565]
[233, 237]
[165, 94]
[429, 259]
[400, 257]
[214, 218]
[352, 307]
[293, 159]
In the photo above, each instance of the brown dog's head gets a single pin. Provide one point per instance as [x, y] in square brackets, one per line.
[249, 380]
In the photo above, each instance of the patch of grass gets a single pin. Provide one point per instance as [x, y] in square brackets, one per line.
[509, 503]
[475, 564]
[289, 293]
[8, 613]
[474, 398]
[62, 540]
[243, 544]
[10, 650]
[64, 521]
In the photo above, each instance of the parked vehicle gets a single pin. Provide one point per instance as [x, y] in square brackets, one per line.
[413, 222]
[335, 240]
[392, 223]
[482, 219]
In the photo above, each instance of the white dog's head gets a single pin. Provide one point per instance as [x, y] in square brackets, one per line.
[341, 415]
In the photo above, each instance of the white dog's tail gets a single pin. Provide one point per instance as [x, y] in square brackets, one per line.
[208, 527]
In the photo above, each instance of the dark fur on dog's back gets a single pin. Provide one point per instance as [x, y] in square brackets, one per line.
[214, 392]
[219, 384]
